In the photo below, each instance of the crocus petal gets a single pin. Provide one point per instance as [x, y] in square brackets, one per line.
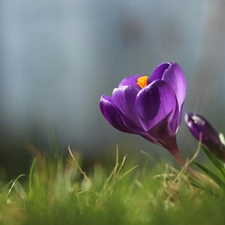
[130, 81]
[174, 76]
[157, 74]
[160, 132]
[154, 103]
[150, 138]
[112, 114]
[124, 99]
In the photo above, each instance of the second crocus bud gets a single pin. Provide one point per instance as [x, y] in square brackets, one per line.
[203, 131]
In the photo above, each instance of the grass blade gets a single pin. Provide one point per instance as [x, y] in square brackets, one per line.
[211, 175]
[197, 185]
[215, 161]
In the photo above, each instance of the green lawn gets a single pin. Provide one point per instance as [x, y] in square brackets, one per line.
[58, 192]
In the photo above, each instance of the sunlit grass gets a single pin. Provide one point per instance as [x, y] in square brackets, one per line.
[59, 192]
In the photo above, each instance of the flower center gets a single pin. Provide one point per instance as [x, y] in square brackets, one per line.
[142, 81]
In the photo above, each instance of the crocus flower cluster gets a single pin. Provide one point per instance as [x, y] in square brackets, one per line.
[203, 131]
[150, 106]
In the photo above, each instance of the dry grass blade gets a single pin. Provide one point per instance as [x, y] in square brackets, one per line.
[77, 165]
[116, 171]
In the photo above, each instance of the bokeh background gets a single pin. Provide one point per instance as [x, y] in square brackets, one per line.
[59, 56]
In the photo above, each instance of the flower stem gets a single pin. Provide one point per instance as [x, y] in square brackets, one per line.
[174, 150]
[198, 177]
[180, 160]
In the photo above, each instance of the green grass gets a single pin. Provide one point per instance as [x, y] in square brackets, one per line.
[59, 192]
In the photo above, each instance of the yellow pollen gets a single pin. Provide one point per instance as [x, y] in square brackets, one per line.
[142, 81]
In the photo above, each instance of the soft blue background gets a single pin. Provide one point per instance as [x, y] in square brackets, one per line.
[59, 56]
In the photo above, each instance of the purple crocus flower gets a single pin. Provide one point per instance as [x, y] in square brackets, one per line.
[149, 106]
[203, 131]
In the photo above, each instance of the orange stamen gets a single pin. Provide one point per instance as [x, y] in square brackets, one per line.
[142, 81]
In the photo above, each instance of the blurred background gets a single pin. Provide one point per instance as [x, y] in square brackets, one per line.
[59, 56]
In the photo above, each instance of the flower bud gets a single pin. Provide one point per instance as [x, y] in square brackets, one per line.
[203, 131]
